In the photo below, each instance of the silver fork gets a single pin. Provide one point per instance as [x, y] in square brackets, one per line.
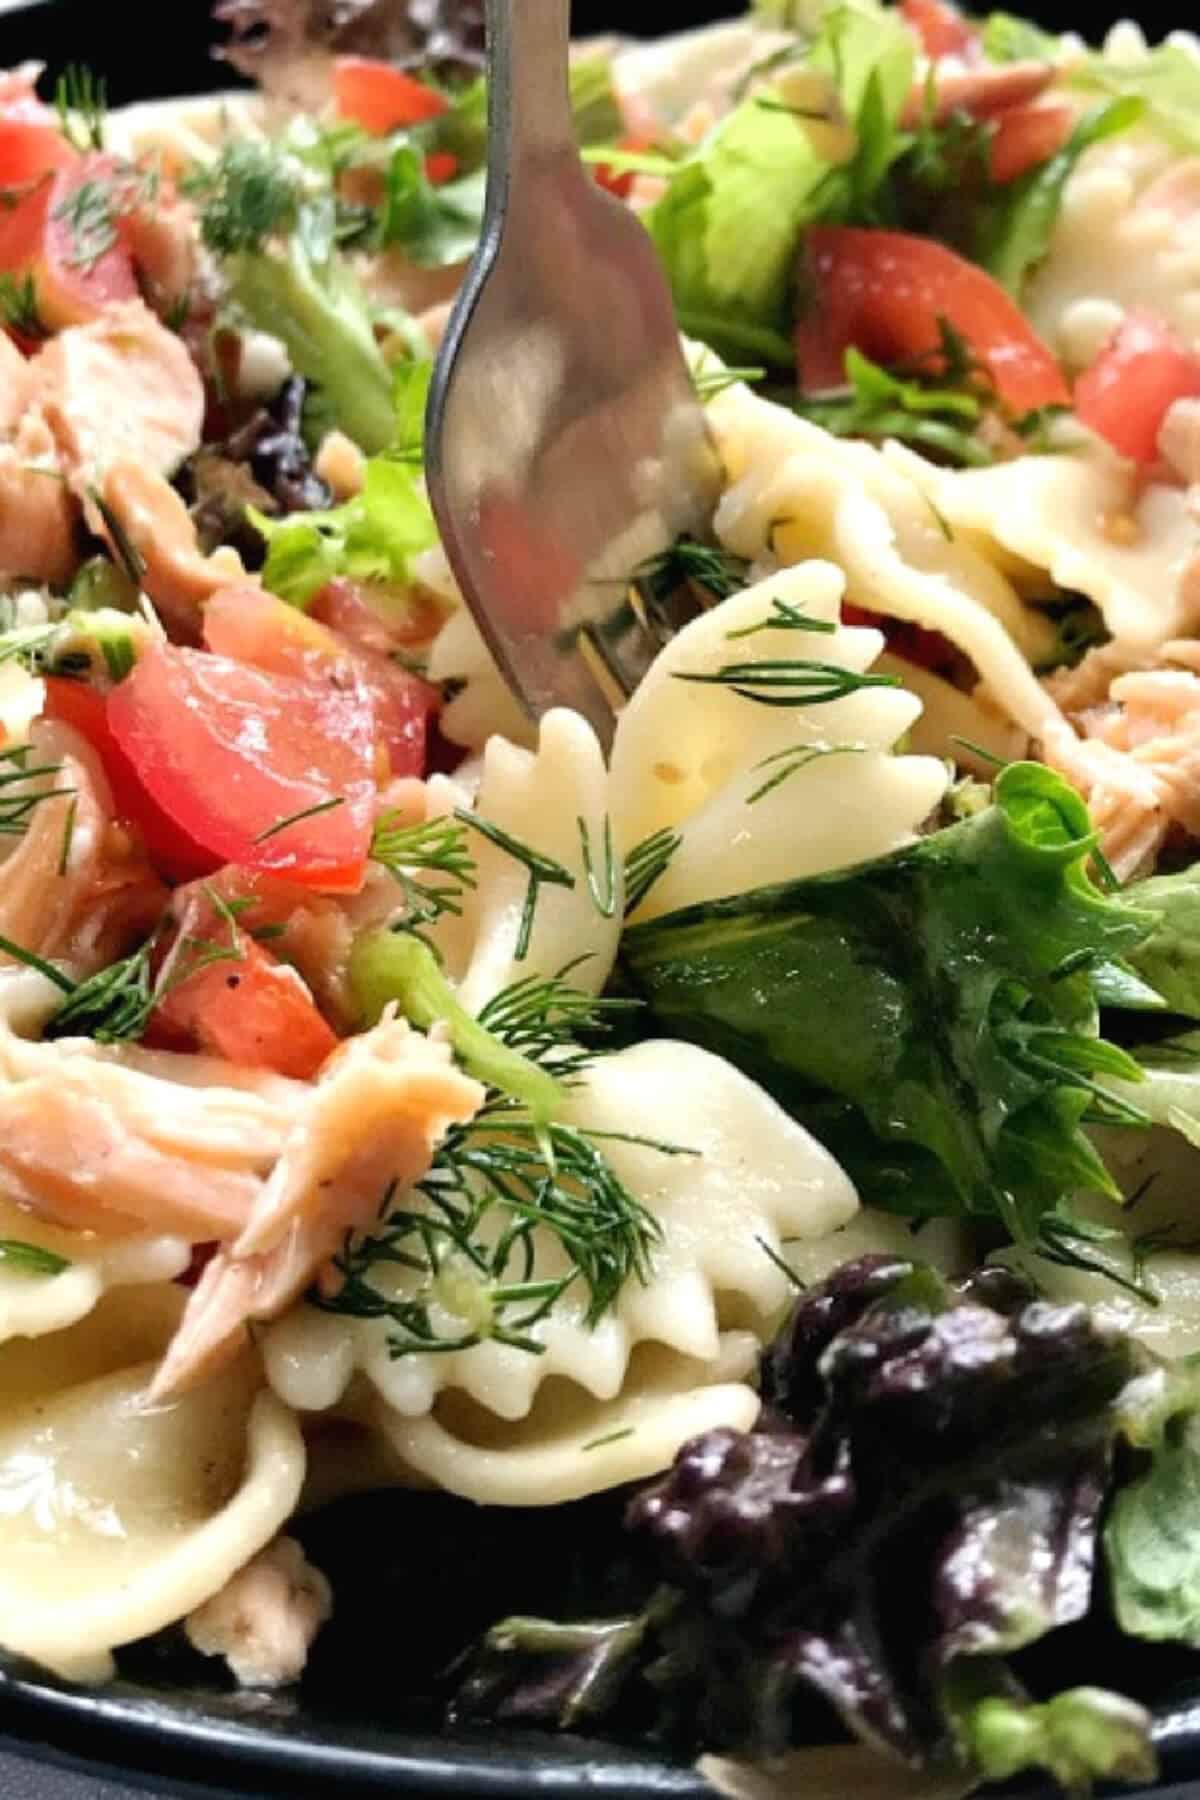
[565, 444]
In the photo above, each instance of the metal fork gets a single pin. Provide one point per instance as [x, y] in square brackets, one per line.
[565, 443]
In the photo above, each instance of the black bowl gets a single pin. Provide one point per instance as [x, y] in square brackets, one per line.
[165, 1727]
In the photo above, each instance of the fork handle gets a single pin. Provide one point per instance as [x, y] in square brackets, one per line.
[529, 84]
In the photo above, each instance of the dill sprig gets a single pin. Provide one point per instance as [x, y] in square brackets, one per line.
[544, 1017]
[1067, 1241]
[415, 855]
[708, 383]
[90, 212]
[31, 1259]
[19, 305]
[786, 763]
[19, 800]
[784, 616]
[690, 563]
[601, 876]
[470, 1252]
[296, 818]
[646, 862]
[251, 193]
[789, 681]
[543, 870]
[81, 101]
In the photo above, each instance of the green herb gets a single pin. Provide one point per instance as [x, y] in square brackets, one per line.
[470, 1247]
[90, 213]
[31, 960]
[601, 880]
[789, 681]
[31, 1259]
[435, 847]
[1067, 1240]
[81, 100]
[786, 763]
[307, 812]
[545, 1016]
[785, 1268]
[646, 863]
[19, 305]
[437, 225]
[708, 383]
[250, 194]
[19, 798]
[880, 403]
[610, 1437]
[112, 1006]
[544, 871]
[783, 616]
[689, 563]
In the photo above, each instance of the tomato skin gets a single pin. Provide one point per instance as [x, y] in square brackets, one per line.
[915, 643]
[620, 181]
[37, 237]
[1027, 136]
[30, 147]
[230, 752]
[440, 166]
[252, 626]
[255, 1012]
[942, 29]
[380, 98]
[884, 291]
[175, 855]
[1140, 373]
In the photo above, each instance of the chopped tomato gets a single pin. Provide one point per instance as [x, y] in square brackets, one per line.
[66, 233]
[620, 181]
[380, 98]
[926, 649]
[1142, 370]
[441, 165]
[884, 292]
[254, 1011]
[174, 854]
[941, 28]
[371, 617]
[275, 772]
[31, 146]
[1024, 137]
[254, 627]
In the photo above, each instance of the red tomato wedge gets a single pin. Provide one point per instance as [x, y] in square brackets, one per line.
[175, 855]
[440, 166]
[1142, 370]
[254, 627]
[941, 28]
[1027, 136]
[620, 181]
[66, 233]
[235, 756]
[380, 98]
[884, 291]
[31, 146]
[255, 1011]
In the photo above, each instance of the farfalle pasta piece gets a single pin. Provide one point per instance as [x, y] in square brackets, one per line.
[555, 801]
[119, 1518]
[763, 793]
[51, 1278]
[728, 1177]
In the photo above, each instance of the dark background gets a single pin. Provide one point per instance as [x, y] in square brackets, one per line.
[163, 46]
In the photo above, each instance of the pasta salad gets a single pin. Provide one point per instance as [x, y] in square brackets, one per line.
[781, 1130]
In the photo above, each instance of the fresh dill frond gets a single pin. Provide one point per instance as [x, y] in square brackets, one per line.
[305, 812]
[413, 854]
[786, 763]
[470, 1250]
[789, 681]
[251, 193]
[544, 1017]
[645, 863]
[1068, 1241]
[90, 213]
[784, 616]
[689, 563]
[81, 101]
[543, 870]
[19, 305]
[601, 877]
[23, 788]
[114, 1005]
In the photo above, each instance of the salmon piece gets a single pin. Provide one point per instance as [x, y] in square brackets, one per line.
[47, 876]
[121, 386]
[177, 575]
[374, 1118]
[39, 515]
[263, 1621]
[164, 242]
[981, 92]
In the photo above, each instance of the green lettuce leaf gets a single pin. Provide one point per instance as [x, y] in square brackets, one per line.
[371, 538]
[728, 227]
[930, 1016]
[1009, 39]
[1166, 81]
[1083, 1735]
[1152, 1538]
[435, 225]
[1169, 958]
